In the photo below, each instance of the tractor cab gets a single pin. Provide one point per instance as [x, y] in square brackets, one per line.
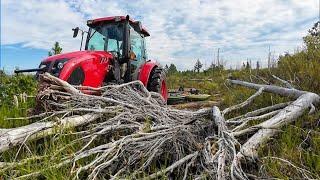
[124, 39]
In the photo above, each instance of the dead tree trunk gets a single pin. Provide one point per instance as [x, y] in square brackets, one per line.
[17, 136]
[267, 129]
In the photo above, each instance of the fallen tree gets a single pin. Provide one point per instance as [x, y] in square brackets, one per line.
[132, 133]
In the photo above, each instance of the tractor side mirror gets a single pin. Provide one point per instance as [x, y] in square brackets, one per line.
[75, 32]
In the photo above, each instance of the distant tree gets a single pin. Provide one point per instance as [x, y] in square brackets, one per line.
[222, 63]
[315, 30]
[312, 40]
[198, 66]
[248, 65]
[172, 69]
[55, 50]
[166, 67]
[212, 66]
[286, 54]
[258, 65]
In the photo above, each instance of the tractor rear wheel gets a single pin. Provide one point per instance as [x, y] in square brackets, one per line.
[157, 82]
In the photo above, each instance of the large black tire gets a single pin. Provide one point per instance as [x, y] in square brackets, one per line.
[157, 76]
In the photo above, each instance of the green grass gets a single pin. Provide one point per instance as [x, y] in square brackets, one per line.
[11, 111]
[45, 153]
[299, 143]
[14, 86]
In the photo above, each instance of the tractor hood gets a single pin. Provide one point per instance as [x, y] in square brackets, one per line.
[62, 65]
[78, 54]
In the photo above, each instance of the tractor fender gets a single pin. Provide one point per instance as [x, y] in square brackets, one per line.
[145, 71]
[93, 65]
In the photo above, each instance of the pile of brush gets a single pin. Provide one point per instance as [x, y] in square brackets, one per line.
[125, 131]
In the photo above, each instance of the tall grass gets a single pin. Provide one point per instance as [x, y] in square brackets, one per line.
[11, 86]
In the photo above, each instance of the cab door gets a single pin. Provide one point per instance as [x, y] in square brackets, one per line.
[138, 48]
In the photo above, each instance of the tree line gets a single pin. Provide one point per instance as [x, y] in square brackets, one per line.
[198, 66]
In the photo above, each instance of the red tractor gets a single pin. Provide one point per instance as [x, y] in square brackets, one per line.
[115, 51]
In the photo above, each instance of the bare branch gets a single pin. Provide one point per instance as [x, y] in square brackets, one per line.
[243, 104]
[286, 83]
[271, 89]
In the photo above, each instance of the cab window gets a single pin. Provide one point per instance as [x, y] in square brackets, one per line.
[107, 37]
[137, 47]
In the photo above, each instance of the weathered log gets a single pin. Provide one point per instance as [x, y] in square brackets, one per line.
[222, 128]
[269, 128]
[15, 136]
[227, 150]
[294, 93]
[69, 88]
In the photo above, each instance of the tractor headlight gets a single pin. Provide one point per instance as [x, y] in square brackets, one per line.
[60, 65]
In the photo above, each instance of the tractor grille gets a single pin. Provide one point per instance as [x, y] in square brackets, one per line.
[52, 67]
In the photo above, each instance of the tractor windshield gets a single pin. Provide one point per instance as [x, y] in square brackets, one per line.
[106, 37]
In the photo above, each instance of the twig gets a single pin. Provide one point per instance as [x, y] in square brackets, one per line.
[243, 104]
[286, 83]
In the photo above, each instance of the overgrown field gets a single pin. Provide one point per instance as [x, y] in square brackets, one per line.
[298, 143]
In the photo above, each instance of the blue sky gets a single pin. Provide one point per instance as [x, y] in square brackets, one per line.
[181, 31]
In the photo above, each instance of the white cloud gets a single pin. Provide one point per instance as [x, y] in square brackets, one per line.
[181, 31]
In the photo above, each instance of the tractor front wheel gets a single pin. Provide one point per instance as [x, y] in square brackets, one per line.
[157, 82]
